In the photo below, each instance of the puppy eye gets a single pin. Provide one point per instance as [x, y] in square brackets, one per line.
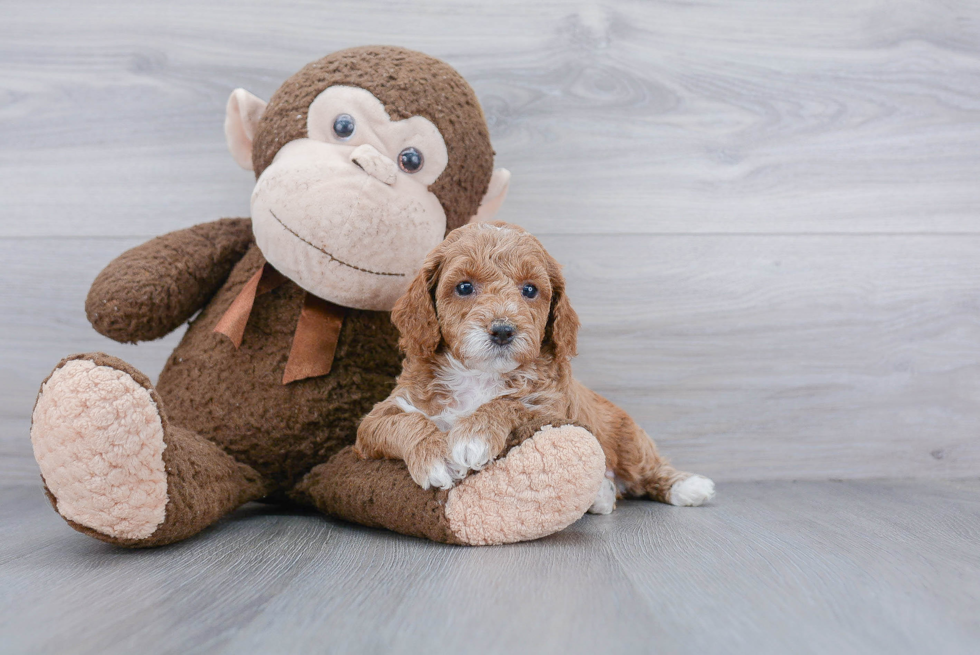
[464, 288]
[343, 126]
[529, 290]
[410, 160]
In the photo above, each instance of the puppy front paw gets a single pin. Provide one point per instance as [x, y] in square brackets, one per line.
[427, 464]
[473, 446]
[436, 473]
[438, 476]
[470, 454]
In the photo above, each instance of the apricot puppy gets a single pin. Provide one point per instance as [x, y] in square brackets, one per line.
[488, 334]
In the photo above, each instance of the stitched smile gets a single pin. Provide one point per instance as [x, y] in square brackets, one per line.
[332, 258]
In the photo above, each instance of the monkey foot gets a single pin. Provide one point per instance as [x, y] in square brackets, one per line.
[99, 439]
[540, 487]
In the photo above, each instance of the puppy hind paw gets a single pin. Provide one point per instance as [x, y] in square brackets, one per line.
[605, 500]
[692, 492]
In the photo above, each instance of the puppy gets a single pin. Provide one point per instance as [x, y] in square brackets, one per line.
[488, 335]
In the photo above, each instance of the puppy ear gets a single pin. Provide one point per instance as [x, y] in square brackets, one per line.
[415, 312]
[561, 333]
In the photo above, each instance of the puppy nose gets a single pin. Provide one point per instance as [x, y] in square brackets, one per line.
[502, 333]
[374, 163]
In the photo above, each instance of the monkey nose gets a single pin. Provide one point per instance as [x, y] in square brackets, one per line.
[374, 163]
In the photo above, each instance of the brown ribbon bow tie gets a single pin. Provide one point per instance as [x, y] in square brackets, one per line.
[317, 332]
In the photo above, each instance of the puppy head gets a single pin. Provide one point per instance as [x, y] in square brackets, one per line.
[492, 296]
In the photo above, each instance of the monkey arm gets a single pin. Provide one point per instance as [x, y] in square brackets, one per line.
[152, 289]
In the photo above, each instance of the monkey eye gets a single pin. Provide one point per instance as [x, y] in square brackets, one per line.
[529, 290]
[464, 288]
[410, 160]
[343, 126]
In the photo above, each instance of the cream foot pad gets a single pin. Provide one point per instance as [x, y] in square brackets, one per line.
[542, 486]
[98, 438]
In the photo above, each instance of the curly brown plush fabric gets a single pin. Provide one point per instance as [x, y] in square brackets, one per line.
[389, 499]
[235, 396]
[395, 77]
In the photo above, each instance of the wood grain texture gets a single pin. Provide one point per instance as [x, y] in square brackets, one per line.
[768, 210]
[777, 567]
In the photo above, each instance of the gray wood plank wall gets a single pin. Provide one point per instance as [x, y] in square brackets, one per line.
[768, 210]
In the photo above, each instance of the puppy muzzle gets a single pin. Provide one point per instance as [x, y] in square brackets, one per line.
[502, 333]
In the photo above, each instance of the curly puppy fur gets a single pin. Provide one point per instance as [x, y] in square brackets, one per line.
[489, 333]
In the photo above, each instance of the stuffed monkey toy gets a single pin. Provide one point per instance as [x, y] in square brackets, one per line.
[364, 161]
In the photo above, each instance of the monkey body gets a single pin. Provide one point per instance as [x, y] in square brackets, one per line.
[240, 401]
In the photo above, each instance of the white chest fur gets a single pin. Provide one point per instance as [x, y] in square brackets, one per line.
[467, 390]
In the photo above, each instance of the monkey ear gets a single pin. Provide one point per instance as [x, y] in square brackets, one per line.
[494, 197]
[242, 116]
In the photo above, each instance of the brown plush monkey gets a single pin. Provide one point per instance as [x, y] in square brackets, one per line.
[364, 160]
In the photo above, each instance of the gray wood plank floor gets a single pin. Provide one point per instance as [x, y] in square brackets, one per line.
[771, 567]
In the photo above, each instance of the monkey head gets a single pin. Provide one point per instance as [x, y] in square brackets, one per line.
[364, 161]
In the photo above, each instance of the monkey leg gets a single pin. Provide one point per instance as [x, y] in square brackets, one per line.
[542, 486]
[116, 469]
